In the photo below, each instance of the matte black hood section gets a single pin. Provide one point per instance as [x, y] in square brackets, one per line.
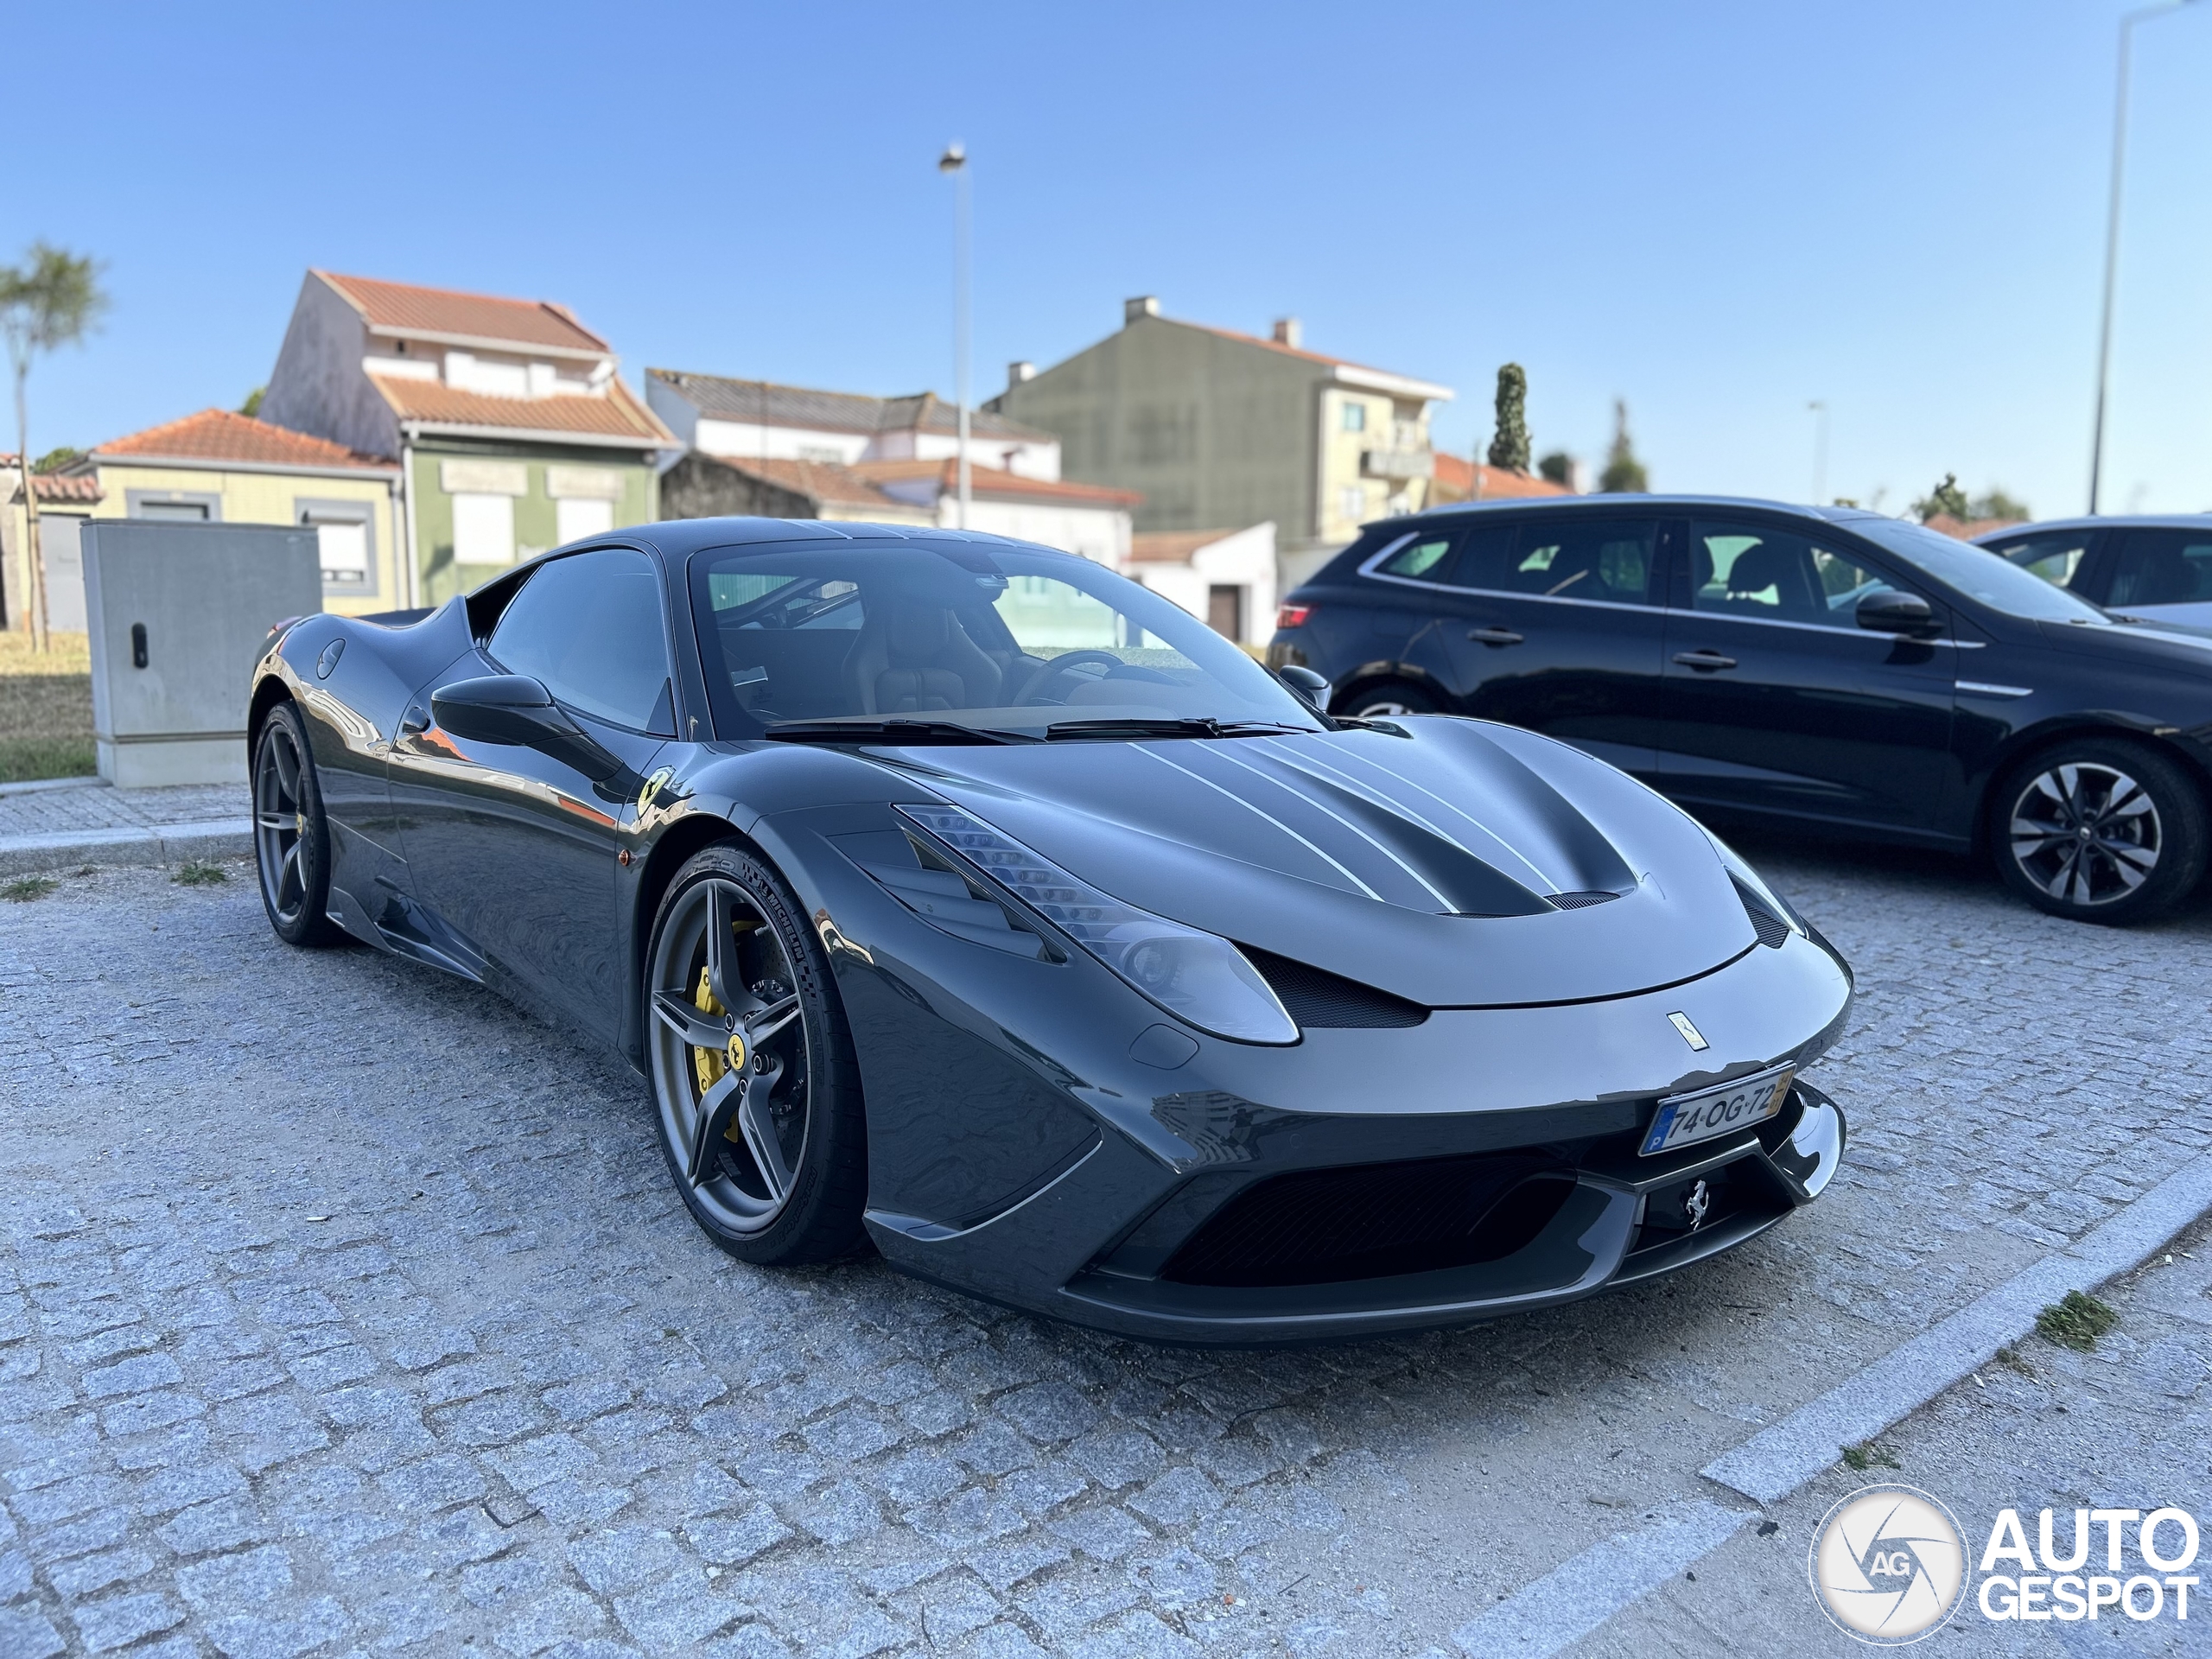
[1425, 865]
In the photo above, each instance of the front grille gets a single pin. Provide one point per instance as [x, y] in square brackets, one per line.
[1325, 1226]
[1320, 1000]
[1765, 922]
[1580, 900]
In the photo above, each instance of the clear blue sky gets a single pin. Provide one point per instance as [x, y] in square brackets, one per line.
[1719, 212]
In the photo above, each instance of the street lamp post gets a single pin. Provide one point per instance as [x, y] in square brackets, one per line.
[2112, 238]
[955, 162]
[1820, 411]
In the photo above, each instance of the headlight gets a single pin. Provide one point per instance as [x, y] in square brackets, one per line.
[1198, 977]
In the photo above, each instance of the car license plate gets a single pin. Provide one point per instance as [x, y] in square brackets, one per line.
[1688, 1119]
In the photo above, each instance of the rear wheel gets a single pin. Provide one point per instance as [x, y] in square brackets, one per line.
[751, 1068]
[2099, 829]
[291, 837]
[1386, 698]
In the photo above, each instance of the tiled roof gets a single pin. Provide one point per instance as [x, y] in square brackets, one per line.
[990, 481]
[1457, 479]
[1173, 546]
[479, 316]
[618, 415]
[1968, 528]
[822, 481]
[1298, 352]
[83, 489]
[766, 404]
[217, 435]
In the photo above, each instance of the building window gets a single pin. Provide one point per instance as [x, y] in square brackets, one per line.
[483, 529]
[1352, 503]
[344, 535]
[1355, 417]
[575, 519]
[184, 506]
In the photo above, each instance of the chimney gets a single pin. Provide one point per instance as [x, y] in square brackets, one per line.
[1287, 333]
[1018, 372]
[1144, 305]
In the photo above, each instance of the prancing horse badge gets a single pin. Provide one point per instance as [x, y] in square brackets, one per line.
[1691, 1034]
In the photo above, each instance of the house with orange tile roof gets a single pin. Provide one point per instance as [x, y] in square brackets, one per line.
[217, 467]
[64, 503]
[508, 420]
[1456, 479]
[1215, 427]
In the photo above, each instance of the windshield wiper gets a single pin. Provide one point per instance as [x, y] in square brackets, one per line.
[1065, 730]
[903, 732]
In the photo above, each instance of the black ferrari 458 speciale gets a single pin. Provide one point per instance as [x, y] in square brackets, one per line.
[964, 895]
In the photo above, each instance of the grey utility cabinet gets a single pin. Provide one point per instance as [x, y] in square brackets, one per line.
[176, 612]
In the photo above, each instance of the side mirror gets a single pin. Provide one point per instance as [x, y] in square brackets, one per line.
[1313, 687]
[1891, 612]
[515, 709]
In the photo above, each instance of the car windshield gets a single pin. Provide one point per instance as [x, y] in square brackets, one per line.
[1978, 572]
[954, 636]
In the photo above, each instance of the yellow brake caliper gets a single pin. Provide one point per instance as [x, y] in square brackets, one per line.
[709, 1064]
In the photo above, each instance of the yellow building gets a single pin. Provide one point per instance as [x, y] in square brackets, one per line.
[216, 466]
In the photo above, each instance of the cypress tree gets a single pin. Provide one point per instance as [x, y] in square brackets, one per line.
[1623, 473]
[1509, 448]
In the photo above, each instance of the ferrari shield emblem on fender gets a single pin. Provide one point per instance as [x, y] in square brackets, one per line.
[1691, 1034]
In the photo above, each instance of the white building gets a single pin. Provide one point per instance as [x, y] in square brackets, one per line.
[1227, 576]
[758, 420]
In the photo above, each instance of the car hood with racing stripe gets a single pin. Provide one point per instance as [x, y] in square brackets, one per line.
[1464, 865]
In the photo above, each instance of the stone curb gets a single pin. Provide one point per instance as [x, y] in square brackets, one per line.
[1777, 1461]
[161, 843]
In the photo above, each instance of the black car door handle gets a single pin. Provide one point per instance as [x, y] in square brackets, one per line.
[1494, 636]
[1704, 661]
[417, 719]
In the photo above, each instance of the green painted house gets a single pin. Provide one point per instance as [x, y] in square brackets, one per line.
[512, 428]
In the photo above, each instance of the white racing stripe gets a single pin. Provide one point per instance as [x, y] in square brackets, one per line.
[1583, 1591]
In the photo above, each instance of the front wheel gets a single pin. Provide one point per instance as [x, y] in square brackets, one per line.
[2097, 830]
[291, 837]
[751, 1067]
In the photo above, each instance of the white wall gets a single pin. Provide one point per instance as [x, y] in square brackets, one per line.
[748, 441]
[1098, 533]
[1245, 559]
[1023, 459]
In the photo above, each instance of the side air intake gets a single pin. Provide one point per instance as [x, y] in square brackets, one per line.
[1770, 926]
[1320, 1000]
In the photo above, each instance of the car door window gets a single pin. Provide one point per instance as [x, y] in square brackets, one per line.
[589, 628]
[1756, 570]
[1424, 556]
[2163, 567]
[1607, 559]
[2054, 557]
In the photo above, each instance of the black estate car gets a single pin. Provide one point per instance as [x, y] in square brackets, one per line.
[1823, 665]
[2158, 569]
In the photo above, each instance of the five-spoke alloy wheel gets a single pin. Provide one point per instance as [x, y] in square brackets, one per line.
[2100, 831]
[291, 839]
[751, 1069]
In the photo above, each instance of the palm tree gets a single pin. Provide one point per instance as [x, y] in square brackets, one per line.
[50, 301]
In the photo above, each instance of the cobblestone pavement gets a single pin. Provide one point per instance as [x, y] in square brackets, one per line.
[2126, 1427]
[95, 806]
[344, 1309]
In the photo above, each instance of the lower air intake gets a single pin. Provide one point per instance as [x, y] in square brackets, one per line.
[1325, 1226]
[1580, 900]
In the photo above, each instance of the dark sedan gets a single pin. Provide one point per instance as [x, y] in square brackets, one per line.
[1821, 666]
[2159, 569]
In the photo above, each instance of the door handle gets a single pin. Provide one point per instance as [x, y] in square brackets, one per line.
[417, 719]
[1706, 661]
[1494, 636]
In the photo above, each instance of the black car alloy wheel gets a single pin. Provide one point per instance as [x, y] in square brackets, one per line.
[2101, 830]
[291, 841]
[750, 1069]
[1388, 698]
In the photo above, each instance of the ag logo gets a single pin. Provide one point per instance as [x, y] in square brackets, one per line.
[1889, 1565]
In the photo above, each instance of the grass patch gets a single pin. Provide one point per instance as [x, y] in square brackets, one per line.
[199, 873]
[2076, 1321]
[46, 707]
[2013, 1359]
[1869, 1456]
[24, 888]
